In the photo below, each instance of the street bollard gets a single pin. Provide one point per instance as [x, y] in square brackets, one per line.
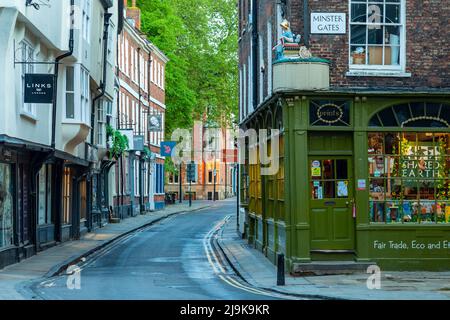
[280, 271]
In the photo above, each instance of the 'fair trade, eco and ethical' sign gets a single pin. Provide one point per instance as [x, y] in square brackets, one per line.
[328, 23]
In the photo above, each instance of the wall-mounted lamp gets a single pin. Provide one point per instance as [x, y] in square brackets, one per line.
[36, 4]
[30, 3]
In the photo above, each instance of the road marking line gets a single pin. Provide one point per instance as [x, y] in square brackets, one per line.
[216, 265]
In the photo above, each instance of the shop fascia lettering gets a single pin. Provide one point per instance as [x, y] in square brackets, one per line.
[39, 85]
[422, 168]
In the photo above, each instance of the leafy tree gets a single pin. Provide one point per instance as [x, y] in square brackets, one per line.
[200, 38]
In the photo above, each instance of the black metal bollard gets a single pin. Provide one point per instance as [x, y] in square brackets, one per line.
[281, 281]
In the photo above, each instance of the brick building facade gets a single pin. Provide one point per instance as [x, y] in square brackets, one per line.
[364, 130]
[215, 172]
[141, 73]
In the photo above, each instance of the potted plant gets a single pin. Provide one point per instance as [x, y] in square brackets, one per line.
[359, 56]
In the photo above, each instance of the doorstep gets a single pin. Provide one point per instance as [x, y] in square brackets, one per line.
[325, 268]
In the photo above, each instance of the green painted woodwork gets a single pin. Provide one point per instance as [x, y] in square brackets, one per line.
[332, 223]
[311, 225]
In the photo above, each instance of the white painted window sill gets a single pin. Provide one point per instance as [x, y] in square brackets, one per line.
[378, 73]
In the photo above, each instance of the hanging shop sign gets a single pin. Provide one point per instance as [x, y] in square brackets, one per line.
[39, 88]
[167, 148]
[138, 143]
[328, 23]
[155, 123]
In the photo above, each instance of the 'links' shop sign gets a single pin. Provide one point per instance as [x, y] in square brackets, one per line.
[39, 88]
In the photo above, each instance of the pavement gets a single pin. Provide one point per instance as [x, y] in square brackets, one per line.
[14, 279]
[256, 270]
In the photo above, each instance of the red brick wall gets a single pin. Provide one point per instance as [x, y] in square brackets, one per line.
[427, 44]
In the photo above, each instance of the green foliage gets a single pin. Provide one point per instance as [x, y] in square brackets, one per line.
[200, 38]
[147, 153]
[170, 167]
[119, 142]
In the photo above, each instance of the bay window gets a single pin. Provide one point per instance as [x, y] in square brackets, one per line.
[77, 94]
[70, 92]
[377, 35]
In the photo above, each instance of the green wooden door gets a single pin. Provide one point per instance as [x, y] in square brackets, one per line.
[331, 203]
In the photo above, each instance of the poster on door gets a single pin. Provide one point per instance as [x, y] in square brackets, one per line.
[342, 189]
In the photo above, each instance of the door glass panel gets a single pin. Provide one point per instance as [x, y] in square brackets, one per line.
[328, 169]
[329, 190]
[317, 190]
[330, 179]
[341, 169]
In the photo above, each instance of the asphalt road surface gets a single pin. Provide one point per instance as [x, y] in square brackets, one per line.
[173, 259]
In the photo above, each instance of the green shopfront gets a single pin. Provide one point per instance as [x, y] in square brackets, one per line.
[365, 176]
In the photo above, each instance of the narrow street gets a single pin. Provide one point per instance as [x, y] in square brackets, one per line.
[173, 259]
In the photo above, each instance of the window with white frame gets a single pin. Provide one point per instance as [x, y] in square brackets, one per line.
[377, 34]
[136, 178]
[70, 92]
[101, 122]
[77, 94]
[86, 23]
[159, 75]
[84, 100]
[141, 72]
[136, 65]
[111, 44]
[28, 55]
[163, 77]
[151, 69]
[145, 75]
[127, 60]
[122, 53]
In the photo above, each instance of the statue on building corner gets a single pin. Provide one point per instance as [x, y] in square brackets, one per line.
[289, 44]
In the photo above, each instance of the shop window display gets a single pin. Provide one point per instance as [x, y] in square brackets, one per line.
[6, 206]
[409, 177]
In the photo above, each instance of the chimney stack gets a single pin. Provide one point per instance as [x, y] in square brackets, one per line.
[134, 13]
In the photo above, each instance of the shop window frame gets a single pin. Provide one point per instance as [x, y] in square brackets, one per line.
[437, 202]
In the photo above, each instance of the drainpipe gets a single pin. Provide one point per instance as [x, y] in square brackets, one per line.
[57, 61]
[306, 22]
